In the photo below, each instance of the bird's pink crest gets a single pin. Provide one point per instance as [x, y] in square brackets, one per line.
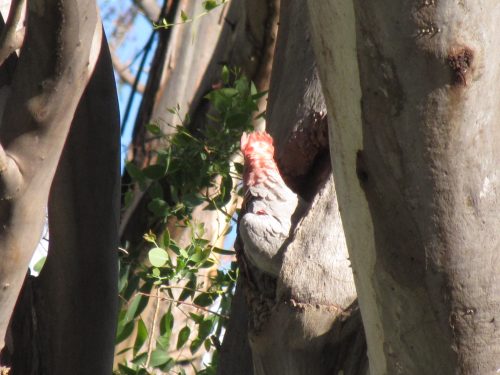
[257, 145]
[258, 150]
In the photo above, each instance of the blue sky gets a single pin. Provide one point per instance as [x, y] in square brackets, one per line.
[129, 52]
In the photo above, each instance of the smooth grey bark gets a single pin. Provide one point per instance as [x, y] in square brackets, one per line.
[309, 324]
[53, 70]
[65, 319]
[412, 92]
[77, 289]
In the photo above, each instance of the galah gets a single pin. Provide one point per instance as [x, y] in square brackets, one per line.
[269, 204]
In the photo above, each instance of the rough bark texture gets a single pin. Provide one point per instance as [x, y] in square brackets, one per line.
[306, 323]
[412, 90]
[54, 67]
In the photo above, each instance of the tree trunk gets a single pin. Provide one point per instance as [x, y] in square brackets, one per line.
[65, 319]
[303, 322]
[412, 95]
[51, 74]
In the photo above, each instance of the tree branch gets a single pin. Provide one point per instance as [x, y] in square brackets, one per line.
[9, 39]
[124, 72]
[149, 8]
[61, 47]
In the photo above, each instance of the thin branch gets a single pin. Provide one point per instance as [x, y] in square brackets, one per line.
[147, 49]
[9, 40]
[124, 72]
[149, 8]
[169, 10]
[153, 325]
[10, 176]
[185, 303]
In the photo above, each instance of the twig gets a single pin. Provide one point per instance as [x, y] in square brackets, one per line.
[185, 303]
[147, 49]
[153, 325]
[9, 41]
[149, 8]
[124, 72]
[164, 24]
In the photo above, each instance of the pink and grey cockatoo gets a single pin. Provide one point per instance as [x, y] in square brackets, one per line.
[269, 204]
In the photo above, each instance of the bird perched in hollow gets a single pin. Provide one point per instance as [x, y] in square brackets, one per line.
[269, 204]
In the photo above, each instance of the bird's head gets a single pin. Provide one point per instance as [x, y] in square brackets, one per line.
[258, 150]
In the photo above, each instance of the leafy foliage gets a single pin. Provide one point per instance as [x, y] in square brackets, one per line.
[196, 168]
[208, 5]
[197, 161]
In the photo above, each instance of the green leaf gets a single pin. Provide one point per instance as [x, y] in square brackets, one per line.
[153, 129]
[184, 253]
[175, 248]
[225, 74]
[223, 251]
[123, 333]
[155, 190]
[137, 306]
[166, 323]
[195, 345]
[124, 370]
[239, 168]
[155, 171]
[156, 272]
[184, 16]
[142, 335]
[158, 358]
[205, 328]
[165, 239]
[130, 287]
[159, 207]
[163, 342]
[196, 317]
[210, 4]
[39, 265]
[140, 359]
[189, 288]
[158, 257]
[203, 299]
[183, 336]
[198, 256]
[207, 264]
[134, 171]
[208, 344]
[259, 94]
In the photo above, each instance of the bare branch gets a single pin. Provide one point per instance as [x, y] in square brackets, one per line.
[124, 72]
[149, 8]
[153, 326]
[9, 39]
[198, 307]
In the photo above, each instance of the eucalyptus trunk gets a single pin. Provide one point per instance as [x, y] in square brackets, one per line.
[60, 150]
[412, 94]
[307, 321]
